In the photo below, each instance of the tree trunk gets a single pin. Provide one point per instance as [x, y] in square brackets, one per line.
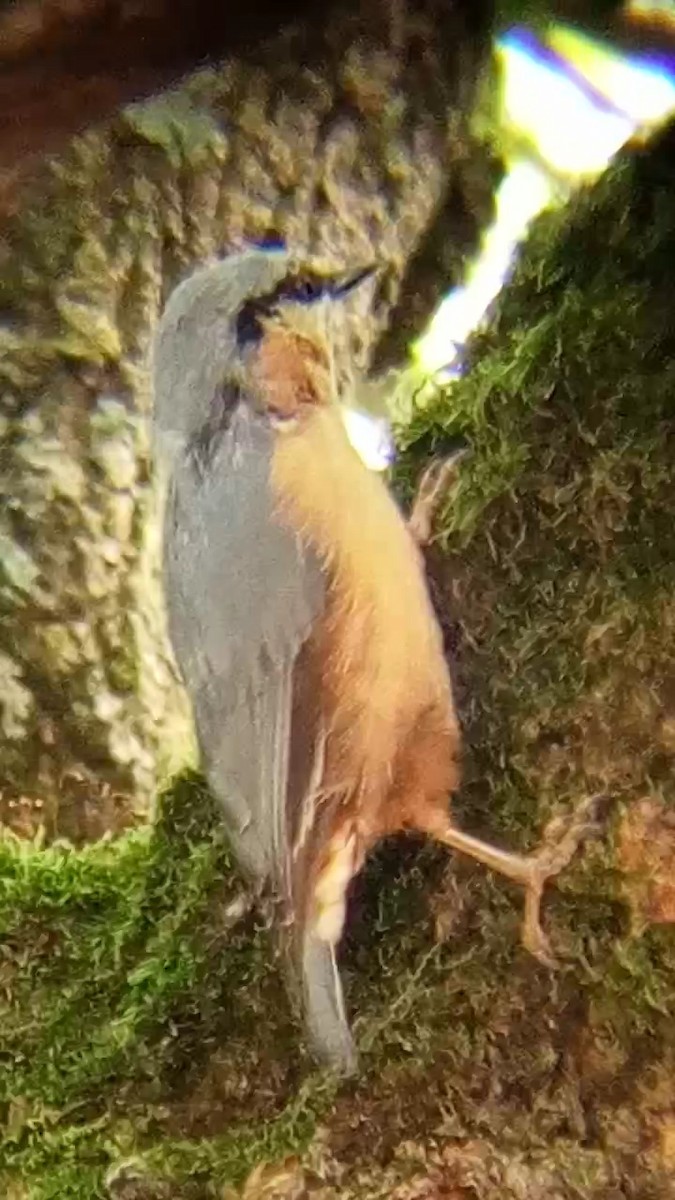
[366, 154]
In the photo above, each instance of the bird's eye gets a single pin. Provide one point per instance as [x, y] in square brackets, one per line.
[306, 291]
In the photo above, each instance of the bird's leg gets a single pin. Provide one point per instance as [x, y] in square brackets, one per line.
[560, 842]
[433, 485]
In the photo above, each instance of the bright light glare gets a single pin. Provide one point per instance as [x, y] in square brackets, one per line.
[576, 102]
[575, 136]
[524, 191]
[370, 436]
[644, 90]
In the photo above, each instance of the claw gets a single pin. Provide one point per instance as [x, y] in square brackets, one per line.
[561, 840]
[435, 482]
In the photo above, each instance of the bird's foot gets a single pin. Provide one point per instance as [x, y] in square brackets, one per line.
[561, 840]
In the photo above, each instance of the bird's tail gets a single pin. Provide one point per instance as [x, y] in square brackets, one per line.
[323, 1005]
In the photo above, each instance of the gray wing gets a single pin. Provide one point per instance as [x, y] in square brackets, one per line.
[242, 593]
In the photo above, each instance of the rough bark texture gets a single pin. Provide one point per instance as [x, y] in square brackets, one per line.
[351, 159]
[65, 64]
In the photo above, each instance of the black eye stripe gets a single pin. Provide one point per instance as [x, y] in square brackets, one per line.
[249, 329]
[301, 291]
[306, 289]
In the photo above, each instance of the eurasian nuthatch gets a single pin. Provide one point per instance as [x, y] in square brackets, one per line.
[299, 614]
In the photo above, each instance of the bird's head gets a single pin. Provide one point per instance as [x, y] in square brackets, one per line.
[250, 326]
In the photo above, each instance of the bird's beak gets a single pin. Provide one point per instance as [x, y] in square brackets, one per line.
[347, 286]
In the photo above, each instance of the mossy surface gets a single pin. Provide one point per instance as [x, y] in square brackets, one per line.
[145, 1018]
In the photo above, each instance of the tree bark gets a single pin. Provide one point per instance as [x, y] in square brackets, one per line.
[348, 143]
[66, 64]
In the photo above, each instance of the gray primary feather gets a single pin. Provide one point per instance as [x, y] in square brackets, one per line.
[242, 593]
[324, 1005]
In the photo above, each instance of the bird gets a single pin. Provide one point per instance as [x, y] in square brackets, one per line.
[300, 616]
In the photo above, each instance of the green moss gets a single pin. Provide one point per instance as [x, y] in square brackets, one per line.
[110, 955]
[561, 552]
